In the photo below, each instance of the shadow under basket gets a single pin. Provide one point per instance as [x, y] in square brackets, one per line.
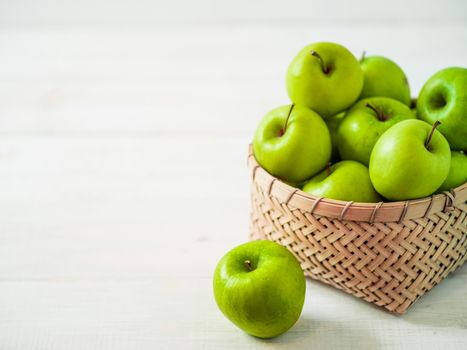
[389, 254]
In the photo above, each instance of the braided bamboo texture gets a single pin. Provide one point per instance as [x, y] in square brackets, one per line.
[388, 254]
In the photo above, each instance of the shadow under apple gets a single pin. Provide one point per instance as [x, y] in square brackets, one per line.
[311, 333]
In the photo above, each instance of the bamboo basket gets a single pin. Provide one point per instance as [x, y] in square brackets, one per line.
[388, 254]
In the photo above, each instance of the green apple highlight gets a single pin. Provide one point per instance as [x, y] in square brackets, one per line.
[384, 78]
[260, 287]
[457, 172]
[325, 77]
[365, 122]
[410, 160]
[347, 181]
[292, 143]
[444, 98]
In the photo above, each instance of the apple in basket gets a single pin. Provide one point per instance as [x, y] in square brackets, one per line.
[365, 122]
[260, 287]
[457, 172]
[292, 143]
[410, 160]
[444, 98]
[346, 180]
[325, 77]
[383, 77]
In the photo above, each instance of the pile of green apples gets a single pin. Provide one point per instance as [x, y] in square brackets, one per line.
[353, 133]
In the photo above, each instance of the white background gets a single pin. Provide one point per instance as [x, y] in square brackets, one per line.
[124, 128]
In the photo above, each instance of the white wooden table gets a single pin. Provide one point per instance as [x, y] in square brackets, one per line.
[123, 139]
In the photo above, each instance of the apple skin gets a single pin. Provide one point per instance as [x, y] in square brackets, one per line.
[295, 184]
[333, 125]
[444, 98]
[457, 172]
[384, 78]
[300, 152]
[325, 93]
[348, 181]
[361, 128]
[266, 301]
[402, 168]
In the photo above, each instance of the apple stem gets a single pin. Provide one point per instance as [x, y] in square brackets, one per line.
[287, 120]
[433, 128]
[328, 169]
[363, 56]
[248, 265]
[378, 113]
[321, 61]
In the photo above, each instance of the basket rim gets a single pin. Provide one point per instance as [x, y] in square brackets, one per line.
[355, 211]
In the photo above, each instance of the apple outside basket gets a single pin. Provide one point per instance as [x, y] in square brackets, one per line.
[389, 254]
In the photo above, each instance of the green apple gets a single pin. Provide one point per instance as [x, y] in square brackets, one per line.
[410, 160]
[444, 98]
[457, 172]
[326, 77]
[260, 287]
[384, 78]
[333, 125]
[365, 122]
[295, 184]
[292, 143]
[347, 181]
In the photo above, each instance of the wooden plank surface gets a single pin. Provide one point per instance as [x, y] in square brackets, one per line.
[123, 180]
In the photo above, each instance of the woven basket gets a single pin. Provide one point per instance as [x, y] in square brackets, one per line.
[389, 254]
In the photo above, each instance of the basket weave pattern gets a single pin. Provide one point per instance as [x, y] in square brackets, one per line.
[389, 254]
